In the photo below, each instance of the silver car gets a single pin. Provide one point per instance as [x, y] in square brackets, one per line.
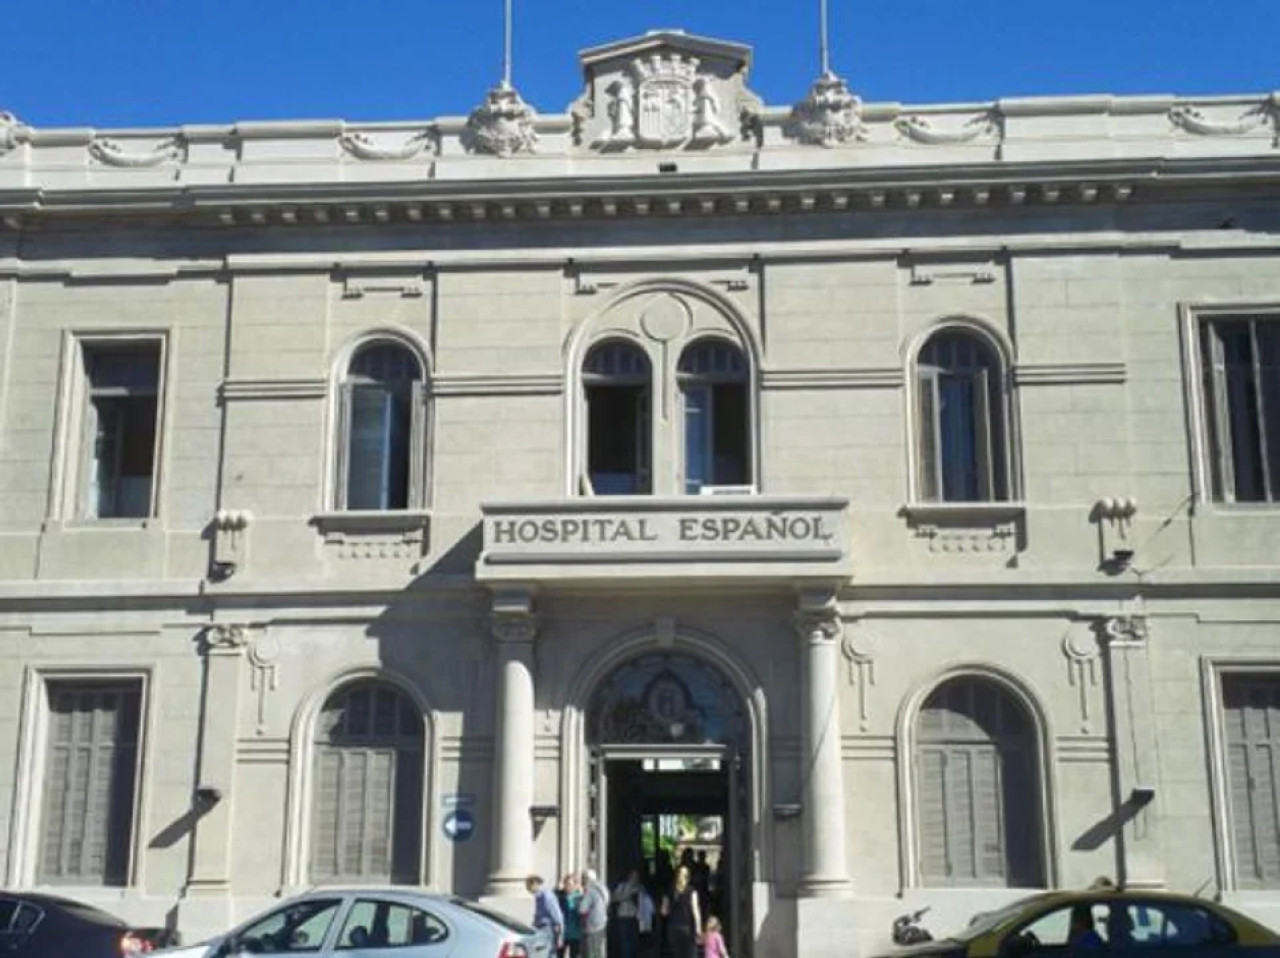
[360, 922]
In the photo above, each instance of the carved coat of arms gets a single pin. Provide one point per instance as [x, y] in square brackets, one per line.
[664, 93]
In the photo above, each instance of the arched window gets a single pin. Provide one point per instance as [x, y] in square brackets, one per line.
[717, 416]
[383, 429]
[366, 814]
[978, 792]
[961, 429]
[617, 385]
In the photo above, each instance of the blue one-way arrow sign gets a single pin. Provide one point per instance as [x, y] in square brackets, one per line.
[458, 825]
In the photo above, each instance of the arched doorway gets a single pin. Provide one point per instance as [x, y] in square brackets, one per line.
[669, 740]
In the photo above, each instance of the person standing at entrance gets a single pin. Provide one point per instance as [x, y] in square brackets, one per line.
[594, 909]
[627, 897]
[569, 896]
[547, 916]
[684, 918]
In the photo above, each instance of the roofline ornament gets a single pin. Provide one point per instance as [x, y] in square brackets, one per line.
[829, 116]
[1191, 120]
[362, 147]
[112, 153]
[919, 129]
[503, 125]
[13, 132]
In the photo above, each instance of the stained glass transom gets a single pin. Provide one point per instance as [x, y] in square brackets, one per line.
[666, 700]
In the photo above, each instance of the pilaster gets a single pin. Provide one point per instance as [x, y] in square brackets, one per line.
[514, 626]
[1125, 641]
[824, 869]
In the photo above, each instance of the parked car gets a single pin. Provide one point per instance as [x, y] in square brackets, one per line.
[45, 926]
[350, 921]
[1100, 918]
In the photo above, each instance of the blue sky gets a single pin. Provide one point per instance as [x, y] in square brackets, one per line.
[159, 62]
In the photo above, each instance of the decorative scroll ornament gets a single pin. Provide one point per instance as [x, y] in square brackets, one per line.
[502, 125]
[13, 132]
[1126, 629]
[112, 153]
[920, 130]
[1080, 646]
[224, 639]
[859, 648]
[1193, 121]
[830, 115]
[362, 147]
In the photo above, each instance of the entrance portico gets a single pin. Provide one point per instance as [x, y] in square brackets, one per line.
[660, 684]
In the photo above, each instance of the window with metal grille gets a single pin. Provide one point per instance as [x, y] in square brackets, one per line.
[713, 386]
[617, 384]
[1251, 714]
[91, 757]
[382, 419]
[961, 430]
[366, 817]
[978, 797]
[122, 386]
[1241, 369]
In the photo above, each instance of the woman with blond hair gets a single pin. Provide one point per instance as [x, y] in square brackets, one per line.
[684, 917]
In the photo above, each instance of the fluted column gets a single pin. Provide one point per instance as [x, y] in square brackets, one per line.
[514, 627]
[824, 870]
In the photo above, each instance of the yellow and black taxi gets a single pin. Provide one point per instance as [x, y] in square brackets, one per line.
[1102, 919]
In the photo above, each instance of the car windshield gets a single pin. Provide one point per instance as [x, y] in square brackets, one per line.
[988, 921]
[507, 922]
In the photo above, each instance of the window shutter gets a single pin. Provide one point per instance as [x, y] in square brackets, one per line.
[419, 440]
[988, 817]
[929, 430]
[931, 785]
[326, 814]
[983, 453]
[1252, 720]
[1267, 339]
[342, 445]
[369, 449]
[961, 816]
[87, 824]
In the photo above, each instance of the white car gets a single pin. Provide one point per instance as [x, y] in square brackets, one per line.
[366, 921]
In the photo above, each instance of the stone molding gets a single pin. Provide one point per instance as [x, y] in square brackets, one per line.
[817, 617]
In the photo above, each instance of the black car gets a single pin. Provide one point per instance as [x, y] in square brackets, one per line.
[45, 926]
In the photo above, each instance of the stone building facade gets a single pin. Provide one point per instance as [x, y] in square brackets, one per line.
[431, 502]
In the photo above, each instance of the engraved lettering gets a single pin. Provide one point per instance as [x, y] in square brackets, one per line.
[688, 530]
[504, 531]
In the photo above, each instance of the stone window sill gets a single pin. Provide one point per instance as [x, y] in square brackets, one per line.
[961, 513]
[372, 521]
[997, 528]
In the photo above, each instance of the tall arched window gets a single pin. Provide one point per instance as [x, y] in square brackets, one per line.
[717, 416]
[616, 381]
[978, 792]
[366, 814]
[962, 432]
[383, 428]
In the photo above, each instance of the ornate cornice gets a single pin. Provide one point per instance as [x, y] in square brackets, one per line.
[503, 125]
[829, 116]
[1193, 120]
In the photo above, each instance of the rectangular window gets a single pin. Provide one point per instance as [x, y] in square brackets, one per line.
[1251, 714]
[1240, 360]
[715, 435]
[91, 757]
[618, 439]
[122, 385]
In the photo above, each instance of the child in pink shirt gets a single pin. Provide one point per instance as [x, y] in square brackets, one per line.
[713, 940]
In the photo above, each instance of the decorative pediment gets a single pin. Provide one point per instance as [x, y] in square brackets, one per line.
[665, 90]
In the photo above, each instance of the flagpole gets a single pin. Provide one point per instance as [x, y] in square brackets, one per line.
[824, 50]
[506, 43]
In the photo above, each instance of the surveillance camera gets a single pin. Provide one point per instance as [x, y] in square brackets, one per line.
[1121, 556]
[208, 796]
[1142, 794]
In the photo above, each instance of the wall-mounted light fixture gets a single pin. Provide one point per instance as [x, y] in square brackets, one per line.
[207, 796]
[540, 813]
[1142, 795]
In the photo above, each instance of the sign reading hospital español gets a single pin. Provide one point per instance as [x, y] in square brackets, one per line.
[699, 529]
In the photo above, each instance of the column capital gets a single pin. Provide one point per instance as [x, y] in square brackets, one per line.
[224, 638]
[817, 617]
[512, 618]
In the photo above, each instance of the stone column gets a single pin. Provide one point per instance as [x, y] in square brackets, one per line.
[1135, 740]
[210, 812]
[825, 872]
[514, 626]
